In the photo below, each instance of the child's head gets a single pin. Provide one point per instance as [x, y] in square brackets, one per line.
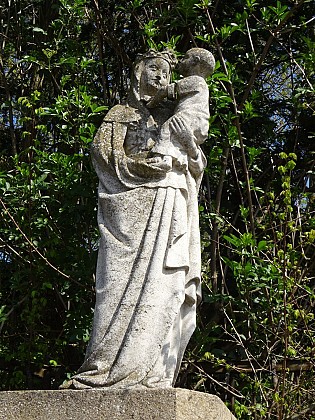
[197, 61]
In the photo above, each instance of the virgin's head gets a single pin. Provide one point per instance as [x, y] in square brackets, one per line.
[151, 71]
[155, 74]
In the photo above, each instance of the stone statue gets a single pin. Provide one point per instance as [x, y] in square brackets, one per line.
[149, 163]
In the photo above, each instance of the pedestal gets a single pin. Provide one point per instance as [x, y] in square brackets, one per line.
[99, 404]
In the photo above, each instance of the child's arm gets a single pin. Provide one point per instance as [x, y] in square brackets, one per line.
[164, 92]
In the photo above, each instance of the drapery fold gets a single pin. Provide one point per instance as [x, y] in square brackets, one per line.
[148, 271]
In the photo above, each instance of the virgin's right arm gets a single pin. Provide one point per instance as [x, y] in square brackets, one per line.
[101, 149]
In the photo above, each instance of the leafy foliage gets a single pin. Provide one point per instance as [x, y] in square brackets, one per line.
[62, 65]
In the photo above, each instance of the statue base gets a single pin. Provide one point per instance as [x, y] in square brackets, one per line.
[148, 404]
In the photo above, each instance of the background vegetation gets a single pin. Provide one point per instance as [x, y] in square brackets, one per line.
[63, 63]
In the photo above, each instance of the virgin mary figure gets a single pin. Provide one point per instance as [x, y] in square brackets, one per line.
[148, 270]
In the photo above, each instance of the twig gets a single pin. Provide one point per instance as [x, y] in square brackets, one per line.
[217, 382]
[265, 52]
[237, 124]
[35, 248]
[10, 312]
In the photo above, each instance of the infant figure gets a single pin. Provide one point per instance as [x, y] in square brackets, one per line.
[191, 111]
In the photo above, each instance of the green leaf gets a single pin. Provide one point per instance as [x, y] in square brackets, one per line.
[262, 245]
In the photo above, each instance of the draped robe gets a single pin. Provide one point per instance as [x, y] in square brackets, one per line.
[148, 270]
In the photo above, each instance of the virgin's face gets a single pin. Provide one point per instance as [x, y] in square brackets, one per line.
[156, 73]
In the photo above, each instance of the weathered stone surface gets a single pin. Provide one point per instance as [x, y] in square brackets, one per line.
[165, 404]
[148, 277]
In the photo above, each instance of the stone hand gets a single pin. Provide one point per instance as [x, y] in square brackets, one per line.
[184, 135]
[153, 160]
[164, 163]
[160, 95]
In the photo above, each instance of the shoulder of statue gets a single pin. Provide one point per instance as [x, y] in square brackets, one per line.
[191, 84]
[190, 79]
[123, 114]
